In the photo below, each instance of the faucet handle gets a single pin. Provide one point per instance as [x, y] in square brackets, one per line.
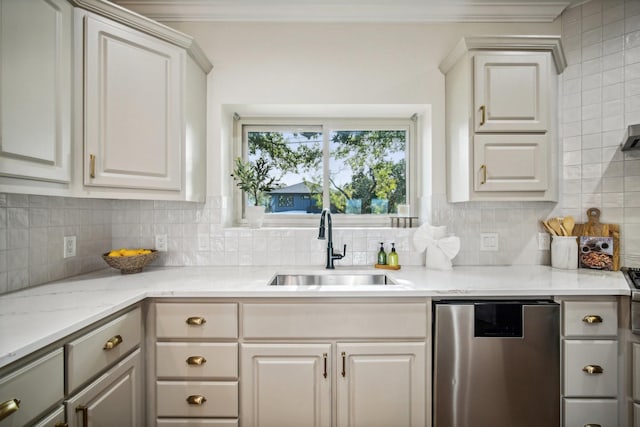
[342, 255]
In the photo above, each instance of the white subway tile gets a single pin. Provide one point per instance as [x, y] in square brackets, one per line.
[612, 185]
[631, 23]
[591, 141]
[591, 52]
[591, 126]
[613, 92]
[592, 21]
[612, 13]
[572, 143]
[613, 29]
[613, 60]
[592, 96]
[613, 76]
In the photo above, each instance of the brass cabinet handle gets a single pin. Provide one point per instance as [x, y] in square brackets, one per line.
[92, 166]
[9, 407]
[593, 369]
[483, 111]
[113, 342]
[196, 399]
[61, 424]
[592, 318]
[196, 360]
[483, 168]
[196, 321]
[324, 359]
[344, 364]
[592, 425]
[85, 415]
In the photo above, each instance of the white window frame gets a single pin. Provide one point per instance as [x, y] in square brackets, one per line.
[327, 125]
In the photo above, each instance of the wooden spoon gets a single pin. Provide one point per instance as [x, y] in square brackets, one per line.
[554, 223]
[548, 228]
[569, 223]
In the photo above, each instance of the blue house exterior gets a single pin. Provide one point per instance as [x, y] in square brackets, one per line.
[296, 198]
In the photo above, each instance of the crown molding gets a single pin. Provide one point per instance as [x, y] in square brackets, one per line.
[328, 11]
[543, 43]
[149, 26]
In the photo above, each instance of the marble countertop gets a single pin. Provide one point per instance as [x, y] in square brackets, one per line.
[39, 316]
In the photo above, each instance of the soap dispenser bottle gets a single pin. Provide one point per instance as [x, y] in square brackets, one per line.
[393, 256]
[382, 255]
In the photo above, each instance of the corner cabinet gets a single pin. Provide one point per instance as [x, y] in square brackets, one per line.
[35, 89]
[501, 118]
[144, 106]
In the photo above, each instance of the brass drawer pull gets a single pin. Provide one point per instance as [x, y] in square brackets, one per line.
[592, 425]
[113, 342]
[324, 358]
[196, 399]
[592, 318]
[344, 364]
[483, 168]
[483, 111]
[196, 360]
[196, 321]
[85, 415]
[61, 424]
[9, 407]
[593, 369]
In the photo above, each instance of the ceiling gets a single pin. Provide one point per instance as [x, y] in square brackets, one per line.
[350, 10]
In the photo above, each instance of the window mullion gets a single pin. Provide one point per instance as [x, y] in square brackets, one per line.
[326, 198]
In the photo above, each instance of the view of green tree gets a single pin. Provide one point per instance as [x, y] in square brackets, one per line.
[364, 164]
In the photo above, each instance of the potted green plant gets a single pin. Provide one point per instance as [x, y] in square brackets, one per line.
[254, 179]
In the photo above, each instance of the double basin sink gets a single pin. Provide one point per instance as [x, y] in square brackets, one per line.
[331, 280]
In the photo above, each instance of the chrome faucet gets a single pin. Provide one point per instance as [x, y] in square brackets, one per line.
[330, 254]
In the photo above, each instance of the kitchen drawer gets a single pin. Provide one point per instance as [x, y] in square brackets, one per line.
[327, 320]
[90, 354]
[217, 320]
[602, 314]
[38, 385]
[220, 360]
[172, 422]
[579, 354]
[221, 399]
[636, 415]
[584, 412]
[53, 419]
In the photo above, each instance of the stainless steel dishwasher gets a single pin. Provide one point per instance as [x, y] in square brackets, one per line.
[496, 364]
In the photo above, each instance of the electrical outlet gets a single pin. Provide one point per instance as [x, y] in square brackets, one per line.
[203, 242]
[69, 247]
[161, 242]
[544, 241]
[488, 241]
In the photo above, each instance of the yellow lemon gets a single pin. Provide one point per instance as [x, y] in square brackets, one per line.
[114, 254]
[130, 252]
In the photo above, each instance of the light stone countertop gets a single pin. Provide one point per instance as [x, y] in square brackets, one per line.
[39, 316]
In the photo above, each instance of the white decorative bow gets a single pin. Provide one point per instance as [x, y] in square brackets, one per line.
[440, 249]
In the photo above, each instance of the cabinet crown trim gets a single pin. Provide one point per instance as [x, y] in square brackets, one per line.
[528, 43]
[149, 26]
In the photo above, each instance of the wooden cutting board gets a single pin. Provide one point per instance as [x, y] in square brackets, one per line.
[595, 228]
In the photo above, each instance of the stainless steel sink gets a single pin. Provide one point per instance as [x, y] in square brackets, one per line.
[330, 280]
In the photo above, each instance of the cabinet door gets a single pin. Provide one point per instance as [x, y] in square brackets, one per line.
[285, 385]
[510, 163]
[114, 399]
[35, 89]
[133, 108]
[381, 384]
[511, 92]
[590, 368]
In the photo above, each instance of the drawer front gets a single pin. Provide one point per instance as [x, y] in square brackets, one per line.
[636, 415]
[197, 360]
[578, 356]
[193, 422]
[590, 318]
[583, 412]
[183, 320]
[635, 378]
[90, 354]
[348, 320]
[38, 386]
[54, 419]
[221, 399]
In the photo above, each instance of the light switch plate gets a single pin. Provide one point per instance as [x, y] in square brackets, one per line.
[69, 246]
[488, 241]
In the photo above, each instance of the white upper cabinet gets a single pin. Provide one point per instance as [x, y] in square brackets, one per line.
[501, 124]
[35, 89]
[133, 108]
[511, 92]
